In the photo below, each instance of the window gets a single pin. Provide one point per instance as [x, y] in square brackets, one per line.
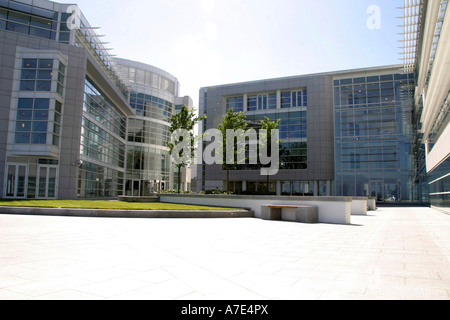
[294, 99]
[39, 26]
[151, 107]
[60, 80]
[32, 121]
[262, 102]
[36, 75]
[237, 104]
[272, 102]
[57, 124]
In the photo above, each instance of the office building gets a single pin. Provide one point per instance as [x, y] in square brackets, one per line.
[72, 125]
[342, 133]
[426, 50]
[154, 95]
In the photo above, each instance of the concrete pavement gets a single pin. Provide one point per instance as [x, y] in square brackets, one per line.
[394, 253]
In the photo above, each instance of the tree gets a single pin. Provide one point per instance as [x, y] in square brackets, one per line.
[184, 123]
[233, 121]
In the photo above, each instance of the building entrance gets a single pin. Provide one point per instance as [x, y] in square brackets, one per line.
[376, 190]
[25, 181]
[16, 180]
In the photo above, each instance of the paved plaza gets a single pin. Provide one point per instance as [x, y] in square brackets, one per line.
[394, 253]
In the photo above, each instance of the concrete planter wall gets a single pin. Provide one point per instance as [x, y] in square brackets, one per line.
[335, 210]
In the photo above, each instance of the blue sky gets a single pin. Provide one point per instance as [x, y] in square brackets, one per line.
[210, 42]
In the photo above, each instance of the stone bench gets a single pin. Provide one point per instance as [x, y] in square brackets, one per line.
[303, 214]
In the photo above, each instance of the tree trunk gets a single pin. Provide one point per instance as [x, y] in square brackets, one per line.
[179, 179]
[228, 180]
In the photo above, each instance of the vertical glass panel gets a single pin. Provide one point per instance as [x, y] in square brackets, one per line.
[11, 181]
[31, 182]
[294, 99]
[52, 183]
[42, 182]
[21, 181]
[140, 76]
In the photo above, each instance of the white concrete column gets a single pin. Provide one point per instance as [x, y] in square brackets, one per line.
[244, 185]
[316, 188]
[278, 99]
[278, 188]
[245, 102]
[329, 186]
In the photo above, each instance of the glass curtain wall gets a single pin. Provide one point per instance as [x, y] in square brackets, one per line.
[103, 144]
[373, 124]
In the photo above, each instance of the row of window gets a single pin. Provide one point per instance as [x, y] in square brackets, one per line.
[38, 22]
[31, 180]
[147, 78]
[37, 75]
[151, 107]
[100, 145]
[95, 181]
[371, 93]
[98, 106]
[269, 101]
[373, 122]
[387, 77]
[146, 163]
[148, 132]
[33, 122]
[373, 155]
[293, 125]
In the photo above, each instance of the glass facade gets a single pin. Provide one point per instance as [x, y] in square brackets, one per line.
[98, 107]
[373, 137]
[32, 121]
[38, 120]
[36, 75]
[294, 128]
[103, 145]
[439, 186]
[293, 99]
[25, 19]
[148, 78]
[236, 103]
[148, 170]
[148, 132]
[34, 21]
[151, 106]
[262, 102]
[32, 178]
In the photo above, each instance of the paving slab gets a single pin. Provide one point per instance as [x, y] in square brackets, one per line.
[396, 253]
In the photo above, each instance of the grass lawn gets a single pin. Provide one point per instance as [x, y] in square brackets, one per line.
[112, 205]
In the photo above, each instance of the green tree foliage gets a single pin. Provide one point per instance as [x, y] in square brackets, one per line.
[186, 119]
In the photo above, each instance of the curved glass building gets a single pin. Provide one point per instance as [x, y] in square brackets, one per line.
[154, 97]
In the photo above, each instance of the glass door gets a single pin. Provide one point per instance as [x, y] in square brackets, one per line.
[376, 190]
[47, 182]
[16, 181]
